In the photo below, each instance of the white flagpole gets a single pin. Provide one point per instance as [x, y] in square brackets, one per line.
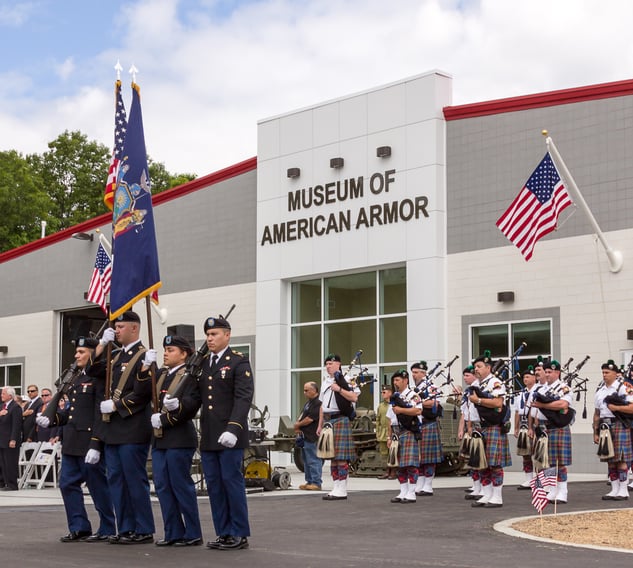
[615, 257]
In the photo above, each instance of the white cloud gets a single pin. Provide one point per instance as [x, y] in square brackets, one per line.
[208, 76]
[65, 69]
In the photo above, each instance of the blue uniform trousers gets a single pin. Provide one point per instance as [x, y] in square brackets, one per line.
[73, 473]
[176, 491]
[129, 487]
[227, 492]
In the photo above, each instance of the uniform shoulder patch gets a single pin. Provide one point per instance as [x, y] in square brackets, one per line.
[239, 353]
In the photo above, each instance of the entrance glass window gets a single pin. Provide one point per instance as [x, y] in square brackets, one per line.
[344, 314]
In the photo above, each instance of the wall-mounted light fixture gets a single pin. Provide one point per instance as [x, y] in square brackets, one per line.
[83, 236]
[293, 172]
[629, 334]
[4, 349]
[383, 151]
[336, 162]
[505, 297]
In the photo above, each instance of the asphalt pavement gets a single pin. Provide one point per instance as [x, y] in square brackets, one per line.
[297, 528]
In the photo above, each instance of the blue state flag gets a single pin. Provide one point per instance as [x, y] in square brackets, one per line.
[135, 271]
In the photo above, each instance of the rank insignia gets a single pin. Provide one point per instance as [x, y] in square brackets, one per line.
[248, 373]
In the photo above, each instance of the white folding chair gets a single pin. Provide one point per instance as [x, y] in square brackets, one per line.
[28, 453]
[45, 462]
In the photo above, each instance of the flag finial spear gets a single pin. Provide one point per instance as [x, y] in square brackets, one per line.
[133, 71]
[118, 70]
[544, 132]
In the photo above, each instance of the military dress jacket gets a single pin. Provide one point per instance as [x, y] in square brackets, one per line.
[130, 423]
[28, 422]
[178, 430]
[225, 395]
[81, 418]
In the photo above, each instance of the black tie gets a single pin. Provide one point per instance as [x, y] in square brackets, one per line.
[214, 360]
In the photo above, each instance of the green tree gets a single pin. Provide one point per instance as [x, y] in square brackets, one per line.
[162, 179]
[73, 172]
[23, 203]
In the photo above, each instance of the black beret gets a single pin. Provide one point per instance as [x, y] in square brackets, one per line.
[213, 323]
[553, 364]
[485, 358]
[470, 369]
[178, 341]
[387, 387]
[610, 365]
[400, 373]
[129, 316]
[539, 361]
[86, 342]
[529, 370]
[420, 365]
[333, 357]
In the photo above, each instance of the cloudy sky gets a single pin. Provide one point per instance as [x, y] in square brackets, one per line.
[210, 69]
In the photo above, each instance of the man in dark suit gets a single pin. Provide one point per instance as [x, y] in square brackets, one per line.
[82, 450]
[174, 443]
[128, 432]
[29, 412]
[225, 392]
[10, 438]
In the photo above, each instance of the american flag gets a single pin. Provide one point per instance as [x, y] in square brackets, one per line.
[101, 277]
[539, 495]
[534, 212]
[120, 129]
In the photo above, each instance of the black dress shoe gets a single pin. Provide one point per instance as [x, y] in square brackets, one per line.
[141, 539]
[215, 544]
[329, 497]
[471, 497]
[97, 538]
[75, 536]
[188, 542]
[237, 544]
[116, 538]
[396, 500]
[165, 542]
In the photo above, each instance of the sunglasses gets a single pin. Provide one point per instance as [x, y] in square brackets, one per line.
[45, 394]
[31, 391]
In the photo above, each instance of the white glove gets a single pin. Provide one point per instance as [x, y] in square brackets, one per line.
[156, 423]
[227, 439]
[170, 403]
[107, 406]
[93, 457]
[150, 357]
[108, 336]
[42, 421]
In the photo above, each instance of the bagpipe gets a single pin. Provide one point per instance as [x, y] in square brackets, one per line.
[360, 379]
[627, 375]
[358, 376]
[557, 418]
[576, 383]
[428, 390]
[406, 421]
[489, 416]
[620, 400]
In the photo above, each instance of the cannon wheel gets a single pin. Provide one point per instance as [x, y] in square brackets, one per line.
[298, 457]
[281, 479]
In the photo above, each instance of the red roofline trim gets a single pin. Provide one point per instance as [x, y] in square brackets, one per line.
[163, 197]
[551, 98]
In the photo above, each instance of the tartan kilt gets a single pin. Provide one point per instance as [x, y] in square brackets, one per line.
[497, 447]
[408, 449]
[343, 444]
[621, 443]
[430, 444]
[559, 446]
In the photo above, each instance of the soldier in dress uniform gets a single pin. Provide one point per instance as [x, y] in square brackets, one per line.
[82, 451]
[333, 413]
[225, 392]
[174, 442]
[558, 438]
[129, 430]
[495, 437]
[382, 429]
[614, 412]
[430, 442]
[404, 416]
[521, 413]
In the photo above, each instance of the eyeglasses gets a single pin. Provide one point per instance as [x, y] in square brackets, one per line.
[31, 390]
[46, 394]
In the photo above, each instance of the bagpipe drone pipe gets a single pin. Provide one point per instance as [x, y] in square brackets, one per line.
[429, 391]
[576, 383]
